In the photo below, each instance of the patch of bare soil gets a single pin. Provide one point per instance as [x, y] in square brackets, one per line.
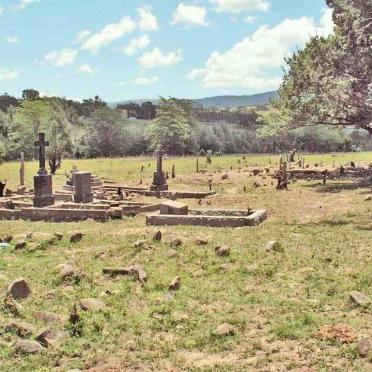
[339, 332]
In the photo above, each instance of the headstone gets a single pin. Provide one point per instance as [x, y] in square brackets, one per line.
[83, 187]
[159, 182]
[2, 187]
[22, 170]
[42, 182]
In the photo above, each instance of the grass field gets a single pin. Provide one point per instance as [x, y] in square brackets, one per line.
[275, 301]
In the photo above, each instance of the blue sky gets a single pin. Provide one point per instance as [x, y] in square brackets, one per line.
[123, 49]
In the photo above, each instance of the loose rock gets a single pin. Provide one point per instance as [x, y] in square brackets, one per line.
[58, 236]
[368, 198]
[201, 241]
[92, 304]
[22, 329]
[158, 236]
[19, 289]
[7, 239]
[170, 253]
[75, 238]
[274, 246]
[11, 305]
[175, 284]
[27, 347]
[49, 338]
[222, 251]
[364, 347]
[176, 242]
[359, 298]
[48, 318]
[224, 329]
[20, 245]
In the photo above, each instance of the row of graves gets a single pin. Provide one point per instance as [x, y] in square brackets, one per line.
[85, 197]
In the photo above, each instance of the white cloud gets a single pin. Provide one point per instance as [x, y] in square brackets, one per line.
[62, 57]
[190, 15]
[136, 44]
[1, 9]
[81, 36]
[23, 4]
[156, 58]
[87, 69]
[141, 80]
[250, 19]
[6, 74]
[326, 22]
[147, 22]
[254, 62]
[108, 34]
[122, 83]
[237, 6]
[12, 39]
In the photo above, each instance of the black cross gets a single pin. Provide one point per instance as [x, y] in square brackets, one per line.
[41, 143]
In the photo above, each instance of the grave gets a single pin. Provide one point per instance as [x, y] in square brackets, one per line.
[95, 182]
[172, 214]
[43, 186]
[159, 182]
[83, 189]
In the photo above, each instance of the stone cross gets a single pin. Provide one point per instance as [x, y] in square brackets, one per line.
[41, 143]
[159, 159]
[22, 170]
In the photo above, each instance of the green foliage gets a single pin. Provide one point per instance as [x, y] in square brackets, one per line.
[171, 127]
[328, 82]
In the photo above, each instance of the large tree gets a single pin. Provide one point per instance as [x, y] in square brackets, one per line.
[329, 81]
[171, 127]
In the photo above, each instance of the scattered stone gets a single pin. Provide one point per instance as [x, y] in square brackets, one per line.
[222, 251]
[364, 347]
[359, 298]
[158, 236]
[224, 329]
[141, 274]
[92, 304]
[201, 241]
[49, 338]
[273, 245]
[7, 239]
[176, 242]
[339, 332]
[20, 245]
[139, 244]
[368, 198]
[11, 305]
[27, 347]
[117, 271]
[225, 176]
[171, 253]
[67, 270]
[48, 318]
[20, 328]
[19, 289]
[75, 238]
[175, 284]
[58, 236]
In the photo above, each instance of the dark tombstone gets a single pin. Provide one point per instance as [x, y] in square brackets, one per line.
[159, 182]
[42, 182]
[173, 171]
[83, 187]
[22, 170]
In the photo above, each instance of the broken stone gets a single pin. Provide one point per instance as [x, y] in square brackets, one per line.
[273, 246]
[175, 284]
[173, 207]
[27, 347]
[141, 274]
[49, 338]
[224, 329]
[7, 239]
[92, 304]
[359, 298]
[368, 198]
[157, 237]
[19, 289]
[222, 251]
[201, 241]
[117, 271]
[11, 305]
[171, 253]
[364, 347]
[21, 329]
[47, 317]
[20, 245]
[58, 236]
[176, 242]
[75, 238]
[139, 244]
[67, 270]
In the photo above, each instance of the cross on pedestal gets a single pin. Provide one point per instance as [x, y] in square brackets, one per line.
[41, 143]
[159, 159]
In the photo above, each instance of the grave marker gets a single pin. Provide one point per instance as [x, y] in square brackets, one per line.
[42, 182]
[159, 182]
[83, 187]
[22, 170]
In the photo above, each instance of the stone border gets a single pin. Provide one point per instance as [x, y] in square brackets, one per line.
[255, 218]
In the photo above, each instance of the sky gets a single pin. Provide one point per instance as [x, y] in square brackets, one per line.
[132, 49]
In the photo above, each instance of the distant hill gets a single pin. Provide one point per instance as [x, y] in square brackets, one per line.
[218, 101]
